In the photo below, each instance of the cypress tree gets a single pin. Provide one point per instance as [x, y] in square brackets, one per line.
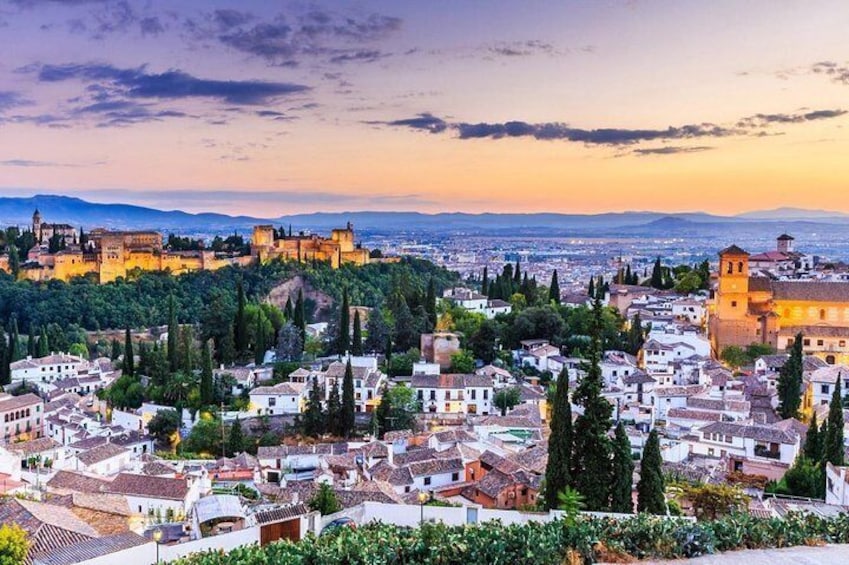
[813, 444]
[650, 496]
[554, 289]
[14, 341]
[207, 389]
[383, 413]
[5, 372]
[357, 340]
[43, 347]
[591, 464]
[236, 441]
[187, 356]
[334, 411]
[591, 288]
[657, 275]
[789, 383]
[31, 341]
[388, 351]
[623, 473]
[346, 421]
[485, 282]
[628, 274]
[430, 305]
[313, 421]
[557, 471]
[228, 347]
[116, 350]
[240, 324]
[635, 335]
[173, 336]
[343, 345]
[260, 344]
[129, 361]
[300, 318]
[288, 310]
[833, 450]
[517, 275]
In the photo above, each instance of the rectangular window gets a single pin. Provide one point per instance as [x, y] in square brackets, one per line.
[455, 476]
[433, 395]
[272, 401]
[819, 342]
[806, 342]
[474, 394]
[824, 389]
[420, 394]
[486, 394]
[427, 481]
[734, 304]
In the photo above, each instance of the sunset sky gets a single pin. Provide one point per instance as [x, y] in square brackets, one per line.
[270, 108]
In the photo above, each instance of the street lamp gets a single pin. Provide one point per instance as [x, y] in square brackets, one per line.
[157, 537]
[423, 497]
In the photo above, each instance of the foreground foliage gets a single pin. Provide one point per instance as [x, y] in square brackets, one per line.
[493, 543]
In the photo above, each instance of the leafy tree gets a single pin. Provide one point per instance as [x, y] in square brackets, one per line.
[334, 411]
[207, 386]
[558, 470]
[357, 339]
[14, 544]
[462, 362]
[593, 451]
[734, 356]
[313, 421]
[554, 289]
[406, 328]
[789, 383]
[346, 420]
[205, 437]
[804, 478]
[484, 341]
[833, 449]
[756, 350]
[711, 501]
[289, 343]
[650, 489]
[164, 424]
[506, 398]
[690, 282]
[343, 345]
[813, 441]
[324, 500]
[129, 360]
[236, 439]
[623, 473]
[571, 502]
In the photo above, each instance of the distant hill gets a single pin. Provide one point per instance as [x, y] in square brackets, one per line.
[76, 211]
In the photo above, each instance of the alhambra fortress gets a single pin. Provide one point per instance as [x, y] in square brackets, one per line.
[113, 254]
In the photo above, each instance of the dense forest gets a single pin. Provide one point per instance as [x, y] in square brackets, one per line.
[142, 299]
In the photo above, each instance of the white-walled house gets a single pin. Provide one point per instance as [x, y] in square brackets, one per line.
[436, 473]
[282, 398]
[823, 382]
[453, 393]
[616, 365]
[146, 494]
[836, 485]
[48, 369]
[104, 460]
[690, 309]
[751, 448]
[668, 397]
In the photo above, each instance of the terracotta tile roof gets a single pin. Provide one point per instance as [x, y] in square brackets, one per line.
[70, 481]
[732, 250]
[148, 487]
[816, 291]
[451, 381]
[49, 527]
[31, 447]
[91, 549]
[435, 467]
[17, 402]
[396, 476]
[101, 453]
[756, 432]
[281, 513]
[413, 455]
[533, 459]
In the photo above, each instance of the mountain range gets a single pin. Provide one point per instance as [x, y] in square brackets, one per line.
[79, 212]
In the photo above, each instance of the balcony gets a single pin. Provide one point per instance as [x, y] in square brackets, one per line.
[764, 451]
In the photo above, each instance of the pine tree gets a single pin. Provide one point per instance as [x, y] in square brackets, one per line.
[833, 450]
[236, 441]
[346, 421]
[813, 441]
[207, 387]
[650, 489]
[485, 282]
[592, 456]
[43, 347]
[129, 361]
[657, 275]
[240, 323]
[591, 288]
[623, 473]
[554, 289]
[558, 469]
[173, 336]
[343, 345]
[790, 382]
[334, 411]
[357, 339]
[430, 305]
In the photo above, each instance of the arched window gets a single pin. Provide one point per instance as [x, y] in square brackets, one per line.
[787, 312]
[822, 314]
[730, 268]
[829, 359]
[740, 267]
